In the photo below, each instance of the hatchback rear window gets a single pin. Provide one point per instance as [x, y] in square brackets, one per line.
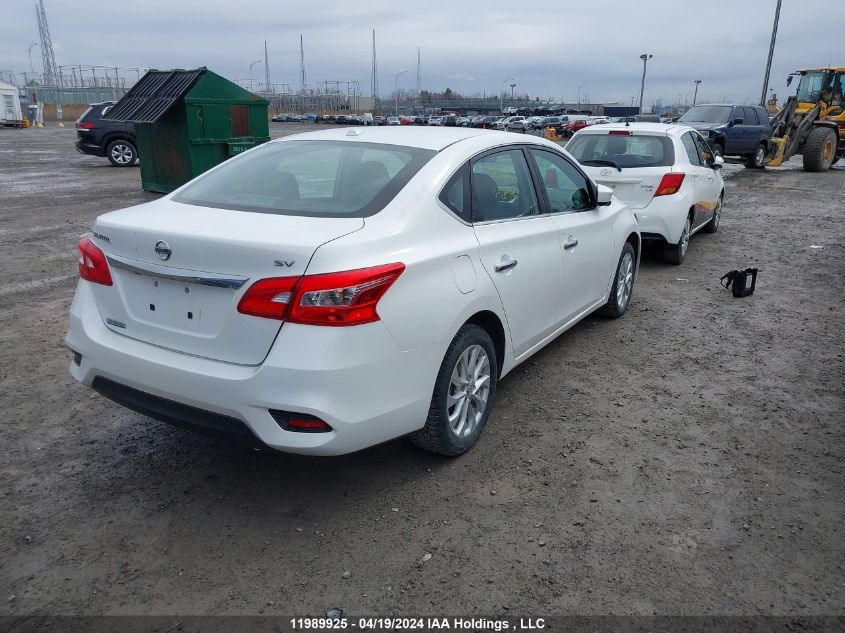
[625, 151]
[311, 178]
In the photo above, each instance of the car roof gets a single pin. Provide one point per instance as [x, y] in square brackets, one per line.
[433, 138]
[648, 128]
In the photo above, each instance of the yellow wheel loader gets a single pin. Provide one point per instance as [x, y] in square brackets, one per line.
[812, 122]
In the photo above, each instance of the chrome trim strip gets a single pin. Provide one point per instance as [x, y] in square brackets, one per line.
[166, 272]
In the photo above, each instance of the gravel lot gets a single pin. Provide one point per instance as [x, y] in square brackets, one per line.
[685, 459]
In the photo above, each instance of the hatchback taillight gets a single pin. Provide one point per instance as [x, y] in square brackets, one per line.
[337, 299]
[669, 184]
[84, 126]
[93, 266]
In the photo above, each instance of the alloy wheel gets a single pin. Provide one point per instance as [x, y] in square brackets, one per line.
[625, 281]
[469, 391]
[121, 154]
[685, 239]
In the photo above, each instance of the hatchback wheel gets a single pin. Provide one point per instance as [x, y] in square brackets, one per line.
[677, 253]
[713, 225]
[463, 394]
[121, 153]
[623, 284]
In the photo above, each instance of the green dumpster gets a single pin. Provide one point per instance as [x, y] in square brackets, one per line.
[188, 121]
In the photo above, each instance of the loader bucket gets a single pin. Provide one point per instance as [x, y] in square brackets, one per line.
[778, 145]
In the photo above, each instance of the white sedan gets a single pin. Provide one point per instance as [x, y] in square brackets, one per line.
[329, 291]
[668, 175]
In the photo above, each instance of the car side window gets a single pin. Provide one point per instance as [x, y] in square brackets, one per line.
[750, 116]
[502, 188]
[566, 187]
[455, 194]
[692, 151]
[704, 150]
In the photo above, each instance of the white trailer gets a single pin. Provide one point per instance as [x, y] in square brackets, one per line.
[10, 105]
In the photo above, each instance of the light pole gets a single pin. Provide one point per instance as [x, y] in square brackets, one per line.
[645, 57]
[578, 97]
[32, 70]
[257, 61]
[512, 87]
[695, 95]
[501, 91]
[771, 53]
[396, 92]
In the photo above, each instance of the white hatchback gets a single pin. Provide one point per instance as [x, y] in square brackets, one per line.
[667, 174]
[333, 290]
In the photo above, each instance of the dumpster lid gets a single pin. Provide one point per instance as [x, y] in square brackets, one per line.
[153, 95]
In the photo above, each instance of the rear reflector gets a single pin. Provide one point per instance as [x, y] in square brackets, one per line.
[93, 266]
[337, 299]
[619, 133]
[299, 422]
[669, 184]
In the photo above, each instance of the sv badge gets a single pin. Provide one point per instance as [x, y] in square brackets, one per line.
[284, 262]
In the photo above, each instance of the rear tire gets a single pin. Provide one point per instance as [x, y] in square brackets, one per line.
[819, 149]
[121, 153]
[463, 394]
[623, 284]
[718, 149]
[677, 253]
[757, 160]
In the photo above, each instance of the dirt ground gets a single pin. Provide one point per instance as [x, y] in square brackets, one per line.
[685, 459]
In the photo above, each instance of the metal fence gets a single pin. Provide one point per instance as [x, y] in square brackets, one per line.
[78, 84]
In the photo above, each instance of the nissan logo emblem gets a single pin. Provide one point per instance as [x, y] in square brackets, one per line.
[163, 250]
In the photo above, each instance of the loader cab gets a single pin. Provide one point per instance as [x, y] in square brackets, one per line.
[821, 84]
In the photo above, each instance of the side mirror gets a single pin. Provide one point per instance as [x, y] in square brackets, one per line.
[739, 121]
[718, 161]
[604, 195]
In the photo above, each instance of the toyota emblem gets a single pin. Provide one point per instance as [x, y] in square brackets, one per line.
[163, 250]
[605, 172]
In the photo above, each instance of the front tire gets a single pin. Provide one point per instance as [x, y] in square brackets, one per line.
[713, 225]
[819, 149]
[121, 153]
[677, 253]
[463, 394]
[718, 149]
[623, 284]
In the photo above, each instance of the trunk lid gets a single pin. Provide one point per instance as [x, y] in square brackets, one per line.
[635, 186]
[180, 270]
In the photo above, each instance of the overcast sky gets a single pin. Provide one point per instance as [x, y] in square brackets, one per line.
[549, 47]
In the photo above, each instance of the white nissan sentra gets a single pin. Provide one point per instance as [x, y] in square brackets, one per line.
[329, 291]
[667, 174]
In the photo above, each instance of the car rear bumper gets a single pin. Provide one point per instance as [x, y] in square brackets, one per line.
[91, 149]
[355, 379]
[663, 217]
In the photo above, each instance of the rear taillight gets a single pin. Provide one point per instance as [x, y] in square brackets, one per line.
[669, 184]
[93, 266]
[84, 126]
[345, 298]
[619, 133]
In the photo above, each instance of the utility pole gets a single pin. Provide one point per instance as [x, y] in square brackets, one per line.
[396, 91]
[695, 95]
[302, 78]
[501, 92]
[645, 57]
[771, 54]
[419, 72]
[578, 95]
[266, 69]
[374, 78]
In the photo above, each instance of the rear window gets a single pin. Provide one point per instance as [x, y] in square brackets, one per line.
[625, 151]
[311, 178]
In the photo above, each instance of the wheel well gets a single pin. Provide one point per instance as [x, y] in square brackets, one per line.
[493, 326]
[116, 136]
[634, 240]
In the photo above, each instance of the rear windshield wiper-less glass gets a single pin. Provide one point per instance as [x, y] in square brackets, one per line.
[601, 161]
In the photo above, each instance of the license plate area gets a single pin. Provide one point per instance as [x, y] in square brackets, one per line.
[174, 305]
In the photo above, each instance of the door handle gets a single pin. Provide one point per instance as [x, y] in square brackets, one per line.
[505, 264]
[570, 243]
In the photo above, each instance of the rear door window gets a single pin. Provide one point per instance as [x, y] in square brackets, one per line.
[750, 116]
[691, 149]
[502, 188]
[639, 150]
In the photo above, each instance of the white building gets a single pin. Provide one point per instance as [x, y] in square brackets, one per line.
[10, 105]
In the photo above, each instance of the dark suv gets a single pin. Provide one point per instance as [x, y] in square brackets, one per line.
[113, 139]
[735, 130]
